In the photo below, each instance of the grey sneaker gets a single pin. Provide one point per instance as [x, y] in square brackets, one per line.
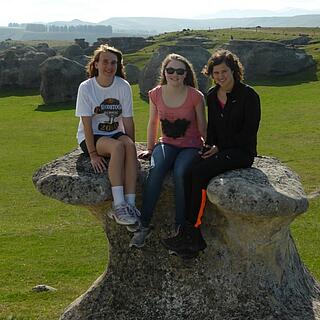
[135, 213]
[122, 215]
[140, 236]
[133, 228]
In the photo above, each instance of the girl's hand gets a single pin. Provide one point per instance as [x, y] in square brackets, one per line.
[145, 155]
[208, 151]
[98, 163]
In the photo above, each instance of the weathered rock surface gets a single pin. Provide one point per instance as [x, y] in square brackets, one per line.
[269, 59]
[60, 79]
[197, 55]
[133, 73]
[19, 66]
[250, 270]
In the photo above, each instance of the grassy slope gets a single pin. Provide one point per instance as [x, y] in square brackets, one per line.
[45, 241]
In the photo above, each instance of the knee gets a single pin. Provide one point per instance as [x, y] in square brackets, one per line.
[129, 145]
[118, 147]
[179, 174]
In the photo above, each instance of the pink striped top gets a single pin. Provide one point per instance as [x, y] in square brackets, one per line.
[179, 124]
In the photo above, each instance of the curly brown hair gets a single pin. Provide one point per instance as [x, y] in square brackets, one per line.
[230, 59]
[92, 71]
[189, 80]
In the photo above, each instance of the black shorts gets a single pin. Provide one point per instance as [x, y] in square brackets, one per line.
[96, 137]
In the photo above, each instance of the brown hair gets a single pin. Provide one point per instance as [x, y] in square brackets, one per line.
[189, 80]
[93, 71]
[230, 59]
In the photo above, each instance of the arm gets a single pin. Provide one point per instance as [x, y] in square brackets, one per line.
[248, 135]
[152, 131]
[88, 134]
[201, 119]
[98, 163]
[129, 127]
[211, 134]
[153, 124]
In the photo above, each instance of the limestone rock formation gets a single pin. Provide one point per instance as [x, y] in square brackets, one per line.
[251, 269]
[133, 73]
[60, 79]
[19, 66]
[269, 59]
[197, 55]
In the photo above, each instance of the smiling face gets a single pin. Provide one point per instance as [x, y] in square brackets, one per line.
[175, 79]
[223, 76]
[106, 65]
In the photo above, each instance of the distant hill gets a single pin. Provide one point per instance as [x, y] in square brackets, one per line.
[145, 26]
[158, 25]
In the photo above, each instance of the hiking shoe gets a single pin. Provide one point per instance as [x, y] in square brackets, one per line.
[188, 240]
[184, 254]
[122, 215]
[133, 228]
[140, 236]
[137, 214]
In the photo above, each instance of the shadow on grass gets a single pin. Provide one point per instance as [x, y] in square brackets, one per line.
[52, 107]
[306, 76]
[10, 92]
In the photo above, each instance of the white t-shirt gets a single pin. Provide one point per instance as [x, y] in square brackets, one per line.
[106, 106]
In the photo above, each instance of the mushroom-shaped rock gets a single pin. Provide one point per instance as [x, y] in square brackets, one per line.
[250, 270]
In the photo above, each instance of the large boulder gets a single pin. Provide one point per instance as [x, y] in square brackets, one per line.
[269, 59]
[60, 79]
[19, 67]
[133, 73]
[251, 269]
[197, 55]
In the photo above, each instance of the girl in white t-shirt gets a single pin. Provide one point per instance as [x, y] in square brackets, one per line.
[106, 129]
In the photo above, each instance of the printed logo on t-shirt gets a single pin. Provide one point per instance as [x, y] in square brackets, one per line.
[112, 109]
[175, 129]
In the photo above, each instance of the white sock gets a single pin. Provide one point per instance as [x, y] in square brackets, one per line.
[117, 194]
[130, 198]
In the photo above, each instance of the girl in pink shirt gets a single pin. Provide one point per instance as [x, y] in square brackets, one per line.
[178, 107]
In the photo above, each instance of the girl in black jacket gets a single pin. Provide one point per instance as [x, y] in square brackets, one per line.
[233, 122]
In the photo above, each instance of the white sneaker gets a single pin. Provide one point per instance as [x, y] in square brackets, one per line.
[140, 236]
[121, 214]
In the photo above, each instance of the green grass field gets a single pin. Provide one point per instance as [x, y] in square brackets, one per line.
[45, 241]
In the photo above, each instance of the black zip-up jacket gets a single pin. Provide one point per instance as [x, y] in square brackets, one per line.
[236, 125]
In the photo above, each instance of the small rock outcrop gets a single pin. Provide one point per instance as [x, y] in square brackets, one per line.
[60, 79]
[197, 55]
[251, 269]
[269, 59]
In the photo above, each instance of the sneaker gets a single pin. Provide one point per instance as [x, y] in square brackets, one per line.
[133, 228]
[134, 210]
[140, 236]
[135, 213]
[122, 215]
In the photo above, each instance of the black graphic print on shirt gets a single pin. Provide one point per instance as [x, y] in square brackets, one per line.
[112, 109]
[174, 129]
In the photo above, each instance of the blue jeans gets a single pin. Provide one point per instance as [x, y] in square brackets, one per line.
[165, 157]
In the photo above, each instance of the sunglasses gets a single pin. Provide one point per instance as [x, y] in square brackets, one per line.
[179, 71]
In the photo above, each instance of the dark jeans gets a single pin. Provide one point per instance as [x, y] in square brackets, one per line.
[164, 158]
[199, 175]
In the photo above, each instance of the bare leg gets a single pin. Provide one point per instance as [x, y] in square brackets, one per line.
[116, 150]
[130, 165]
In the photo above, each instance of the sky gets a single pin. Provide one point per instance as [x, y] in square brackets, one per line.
[24, 11]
